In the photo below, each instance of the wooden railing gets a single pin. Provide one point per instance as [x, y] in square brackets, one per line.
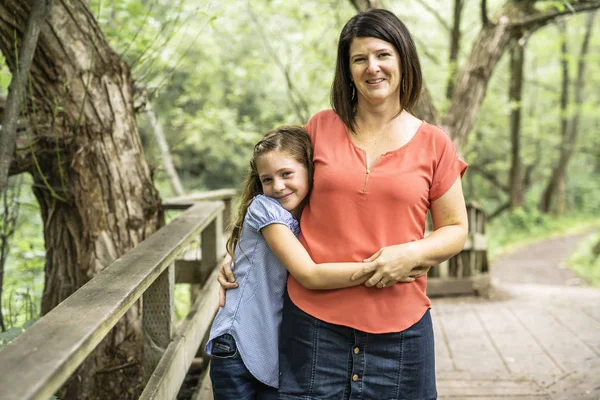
[467, 272]
[39, 362]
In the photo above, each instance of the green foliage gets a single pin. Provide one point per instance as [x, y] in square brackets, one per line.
[585, 262]
[12, 333]
[24, 270]
[527, 225]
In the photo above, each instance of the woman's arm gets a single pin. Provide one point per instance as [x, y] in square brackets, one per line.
[394, 263]
[295, 258]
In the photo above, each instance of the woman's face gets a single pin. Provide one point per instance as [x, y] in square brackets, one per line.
[375, 70]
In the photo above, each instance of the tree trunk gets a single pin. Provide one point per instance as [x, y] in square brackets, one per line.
[517, 60]
[569, 140]
[553, 190]
[90, 175]
[470, 90]
[18, 87]
[454, 48]
[364, 5]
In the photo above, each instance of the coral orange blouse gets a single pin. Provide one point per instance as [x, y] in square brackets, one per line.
[351, 215]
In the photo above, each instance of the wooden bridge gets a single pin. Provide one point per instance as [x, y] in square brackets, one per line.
[526, 342]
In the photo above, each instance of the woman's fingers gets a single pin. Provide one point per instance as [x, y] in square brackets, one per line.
[418, 272]
[367, 268]
[408, 279]
[374, 256]
[372, 281]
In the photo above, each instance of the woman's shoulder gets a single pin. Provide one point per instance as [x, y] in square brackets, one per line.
[324, 117]
[433, 135]
[325, 121]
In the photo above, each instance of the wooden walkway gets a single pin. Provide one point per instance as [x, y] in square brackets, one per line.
[531, 342]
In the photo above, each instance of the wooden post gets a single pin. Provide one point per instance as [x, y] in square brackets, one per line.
[210, 243]
[158, 319]
[228, 212]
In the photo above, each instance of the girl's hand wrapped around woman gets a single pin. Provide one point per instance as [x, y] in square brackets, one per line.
[226, 278]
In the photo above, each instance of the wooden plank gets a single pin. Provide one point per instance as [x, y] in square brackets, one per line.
[565, 348]
[443, 356]
[476, 242]
[168, 376]
[158, 319]
[204, 391]
[183, 202]
[454, 286]
[519, 349]
[489, 388]
[580, 325]
[579, 385]
[44, 357]
[471, 349]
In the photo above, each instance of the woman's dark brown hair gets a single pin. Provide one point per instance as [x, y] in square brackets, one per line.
[291, 140]
[384, 25]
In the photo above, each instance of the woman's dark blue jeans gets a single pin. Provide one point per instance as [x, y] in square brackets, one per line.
[319, 360]
[230, 378]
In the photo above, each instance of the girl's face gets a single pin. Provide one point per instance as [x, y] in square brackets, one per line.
[283, 178]
[375, 70]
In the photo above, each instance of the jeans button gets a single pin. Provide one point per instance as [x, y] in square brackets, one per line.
[355, 377]
[356, 350]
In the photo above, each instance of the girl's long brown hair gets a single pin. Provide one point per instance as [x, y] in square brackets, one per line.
[290, 140]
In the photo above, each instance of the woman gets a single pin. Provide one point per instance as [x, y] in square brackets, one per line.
[378, 169]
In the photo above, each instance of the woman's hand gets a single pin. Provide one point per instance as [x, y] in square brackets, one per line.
[391, 265]
[226, 278]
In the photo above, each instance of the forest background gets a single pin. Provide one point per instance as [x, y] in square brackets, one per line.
[214, 76]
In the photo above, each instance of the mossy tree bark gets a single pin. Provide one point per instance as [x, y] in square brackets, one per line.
[91, 178]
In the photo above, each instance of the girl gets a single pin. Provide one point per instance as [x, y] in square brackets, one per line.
[244, 338]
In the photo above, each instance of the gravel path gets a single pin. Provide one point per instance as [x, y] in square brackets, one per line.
[540, 263]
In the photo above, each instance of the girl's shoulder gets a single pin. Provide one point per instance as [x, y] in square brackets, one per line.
[265, 210]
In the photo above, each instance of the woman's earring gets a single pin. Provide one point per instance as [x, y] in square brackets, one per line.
[353, 91]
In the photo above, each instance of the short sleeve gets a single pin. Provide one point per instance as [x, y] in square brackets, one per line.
[448, 166]
[265, 211]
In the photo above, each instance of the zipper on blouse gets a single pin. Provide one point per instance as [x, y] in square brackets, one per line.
[368, 171]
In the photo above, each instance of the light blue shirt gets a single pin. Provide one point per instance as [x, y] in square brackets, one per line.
[252, 311]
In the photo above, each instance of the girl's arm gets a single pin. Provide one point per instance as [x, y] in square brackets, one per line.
[295, 258]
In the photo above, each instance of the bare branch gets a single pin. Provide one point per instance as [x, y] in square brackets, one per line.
[454, 48]
[17, 88]
[498, 211]
[364, 5]
[537, 21]
[296, 98]
[436, 14]
[164, 151]
[489, 177]
[484, 17]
